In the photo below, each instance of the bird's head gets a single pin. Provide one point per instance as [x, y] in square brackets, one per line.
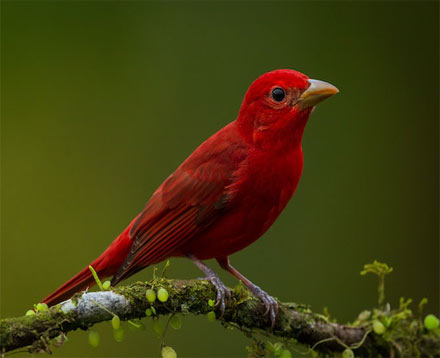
[277, 105]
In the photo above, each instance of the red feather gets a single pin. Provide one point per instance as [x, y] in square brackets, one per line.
[225, 195]
[186, 204]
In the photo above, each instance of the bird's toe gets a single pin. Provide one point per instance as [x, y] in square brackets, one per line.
[270, 303]
[223, 294]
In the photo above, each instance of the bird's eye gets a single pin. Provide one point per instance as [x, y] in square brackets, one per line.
[278, 94]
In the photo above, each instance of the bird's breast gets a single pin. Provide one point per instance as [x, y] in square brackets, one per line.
[263, 188]
[272, 181]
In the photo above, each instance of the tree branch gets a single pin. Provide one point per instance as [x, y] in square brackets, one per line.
[294, 321]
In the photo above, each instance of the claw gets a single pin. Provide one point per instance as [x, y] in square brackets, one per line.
[270, 303]
[223, 293]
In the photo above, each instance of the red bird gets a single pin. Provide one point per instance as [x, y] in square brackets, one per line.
[225, 195]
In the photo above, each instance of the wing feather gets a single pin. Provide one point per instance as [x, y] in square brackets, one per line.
[188, 202]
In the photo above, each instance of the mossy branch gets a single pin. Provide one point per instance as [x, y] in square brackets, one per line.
[294, 321]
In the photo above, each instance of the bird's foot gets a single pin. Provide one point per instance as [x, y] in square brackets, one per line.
[270, 303]
[223, 292]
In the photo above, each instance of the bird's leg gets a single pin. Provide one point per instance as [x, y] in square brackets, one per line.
[223, 292]
[270, 303]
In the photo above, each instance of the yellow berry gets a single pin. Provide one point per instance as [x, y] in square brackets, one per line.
[431, 322]
[42, 307]
[162, 295]
[116, 322]
[168, 352]
[175, 322]
[211, 316]
[118, 334]
[378, 327]
[94, 338]
[347, 353]
[151, 295]
[157, 328]
[30, 313]
[106, 285]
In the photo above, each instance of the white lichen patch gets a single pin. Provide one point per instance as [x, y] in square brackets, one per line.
[97, 306]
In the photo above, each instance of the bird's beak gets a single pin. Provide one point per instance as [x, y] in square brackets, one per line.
[315, 93]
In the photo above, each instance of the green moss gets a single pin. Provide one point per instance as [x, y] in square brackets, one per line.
[47, 324]
[381, 270]
[404, 334]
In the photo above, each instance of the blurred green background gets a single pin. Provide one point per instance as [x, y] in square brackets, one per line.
[101, 101]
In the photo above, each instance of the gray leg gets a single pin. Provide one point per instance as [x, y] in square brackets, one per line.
[270, 302]
[223, 292]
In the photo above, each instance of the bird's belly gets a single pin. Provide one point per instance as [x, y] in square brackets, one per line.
[236, 230]
[230, 235]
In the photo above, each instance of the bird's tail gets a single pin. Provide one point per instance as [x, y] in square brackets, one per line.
[77, 283]
[105, 265]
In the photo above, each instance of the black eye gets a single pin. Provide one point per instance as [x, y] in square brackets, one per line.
[278, 94]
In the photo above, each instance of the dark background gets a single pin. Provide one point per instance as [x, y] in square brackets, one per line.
[101, 101]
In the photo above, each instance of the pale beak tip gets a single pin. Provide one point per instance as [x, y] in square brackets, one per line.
[335, 89]
[316, 92]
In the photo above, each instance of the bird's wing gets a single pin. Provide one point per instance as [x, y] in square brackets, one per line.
[188, 202]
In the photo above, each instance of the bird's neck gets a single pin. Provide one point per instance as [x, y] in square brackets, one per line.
[278, 136]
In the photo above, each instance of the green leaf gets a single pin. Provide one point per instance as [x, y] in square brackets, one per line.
[95, 276]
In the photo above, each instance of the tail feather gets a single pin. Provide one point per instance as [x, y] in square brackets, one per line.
[79, 282]
[105, 265]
